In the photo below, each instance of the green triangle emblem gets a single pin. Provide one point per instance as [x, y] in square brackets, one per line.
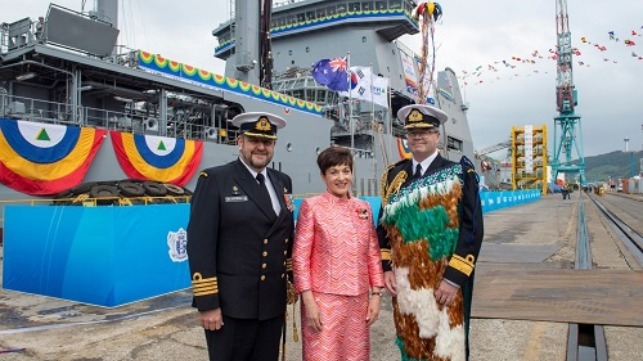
[42, 135]
[161, 146]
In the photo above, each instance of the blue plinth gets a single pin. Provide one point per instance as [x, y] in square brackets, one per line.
[106, 256]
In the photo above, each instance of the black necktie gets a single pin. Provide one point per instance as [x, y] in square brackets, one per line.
[418, 171]
[264, 196]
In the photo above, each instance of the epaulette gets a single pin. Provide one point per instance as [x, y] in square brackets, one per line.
[203, 174]
[469, 167]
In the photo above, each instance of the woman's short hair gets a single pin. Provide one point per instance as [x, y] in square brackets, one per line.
[334, 156]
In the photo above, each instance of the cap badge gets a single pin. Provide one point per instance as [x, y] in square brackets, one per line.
[263, 124]
[415, 116]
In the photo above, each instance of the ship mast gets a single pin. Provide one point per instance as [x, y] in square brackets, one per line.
[253, 57]
[566, 100]
[266, 51]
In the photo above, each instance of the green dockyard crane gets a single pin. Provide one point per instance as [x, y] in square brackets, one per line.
[567, 98]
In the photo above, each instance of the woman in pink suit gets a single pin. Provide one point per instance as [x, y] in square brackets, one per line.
[337, 266]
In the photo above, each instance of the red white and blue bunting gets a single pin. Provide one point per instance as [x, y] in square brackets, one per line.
[45, 159]
[163, 159]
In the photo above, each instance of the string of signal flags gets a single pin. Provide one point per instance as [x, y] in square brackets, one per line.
[518, 64]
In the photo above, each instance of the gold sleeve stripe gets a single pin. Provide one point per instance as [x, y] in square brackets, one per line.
[204, 286]
[289, 264]
[386, 254]
[205, 291]
[197, 277]
[205, 283]
[464, 265]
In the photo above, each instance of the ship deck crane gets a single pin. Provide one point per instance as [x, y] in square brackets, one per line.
[567, 121]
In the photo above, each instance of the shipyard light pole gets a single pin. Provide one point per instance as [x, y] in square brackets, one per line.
[567, 122]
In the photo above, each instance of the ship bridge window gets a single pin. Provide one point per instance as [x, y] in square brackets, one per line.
[310, 15]
[310, 95]
[321, 13]
[454, 144]
[352, 7]
[321, 96]
[380, 5]
[299, 94]
[367, 5]
[394, 4]
[331, 10]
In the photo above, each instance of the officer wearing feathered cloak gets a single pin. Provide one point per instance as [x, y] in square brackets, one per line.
[430, 234]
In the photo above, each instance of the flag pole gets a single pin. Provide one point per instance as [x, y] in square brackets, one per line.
[373, 129]
[389, 124]
[350, 117]
[350, 101]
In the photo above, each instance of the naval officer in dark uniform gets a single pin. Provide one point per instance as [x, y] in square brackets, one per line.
[239, 246]
[454, 280]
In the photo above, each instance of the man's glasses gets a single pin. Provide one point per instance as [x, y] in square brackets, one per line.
[421, 133]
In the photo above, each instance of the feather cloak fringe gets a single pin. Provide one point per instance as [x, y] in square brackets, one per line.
[422, 225]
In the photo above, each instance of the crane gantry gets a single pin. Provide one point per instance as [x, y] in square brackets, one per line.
[567, 121]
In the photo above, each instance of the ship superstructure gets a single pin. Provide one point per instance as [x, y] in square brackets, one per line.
[56, 73]
[366, 32]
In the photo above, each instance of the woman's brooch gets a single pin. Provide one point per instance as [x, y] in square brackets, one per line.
[363, 213]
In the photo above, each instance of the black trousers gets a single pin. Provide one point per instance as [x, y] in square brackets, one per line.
[245, 340]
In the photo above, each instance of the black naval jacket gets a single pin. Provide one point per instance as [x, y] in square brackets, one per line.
[470, 214]
[238, 249]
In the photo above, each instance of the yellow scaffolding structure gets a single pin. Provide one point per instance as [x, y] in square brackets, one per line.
[529, 157]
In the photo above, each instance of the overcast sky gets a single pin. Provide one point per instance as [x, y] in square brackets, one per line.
[472, 35]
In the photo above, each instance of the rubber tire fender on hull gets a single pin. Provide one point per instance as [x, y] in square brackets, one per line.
[173, 189]
[131, 189]
[154, 189]
[103, 191]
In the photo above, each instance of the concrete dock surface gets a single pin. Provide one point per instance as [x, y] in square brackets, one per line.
[537, 236]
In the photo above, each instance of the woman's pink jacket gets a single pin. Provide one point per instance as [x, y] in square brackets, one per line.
[336, 249]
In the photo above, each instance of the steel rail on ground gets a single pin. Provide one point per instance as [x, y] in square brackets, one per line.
[585, 341]
[630, 238]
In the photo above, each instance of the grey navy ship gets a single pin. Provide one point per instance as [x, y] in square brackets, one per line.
[63, 72]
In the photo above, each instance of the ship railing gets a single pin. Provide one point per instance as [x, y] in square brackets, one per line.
[130, 120]
[35, 110]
